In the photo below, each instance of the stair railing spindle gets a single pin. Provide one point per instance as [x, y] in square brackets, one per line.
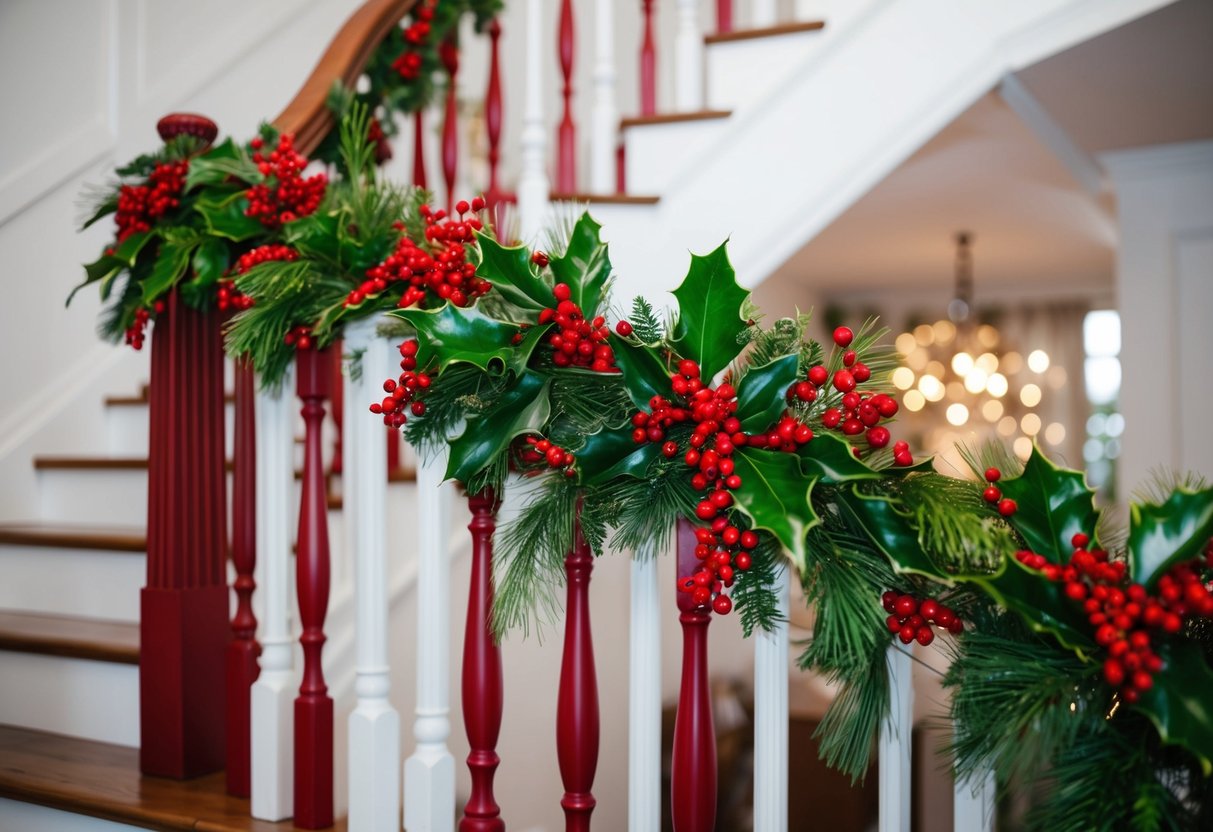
[577, 703]
[273, 739]
[693, 773]
[533, 186]
[566, 133]
[493, 115]
[648, 64]
[763, 13]
[482, 683]
[644, 696]
[973, 803]
[429, 773]
[771, 718]
[242, 650]
[313, 706]
[449, 51]
[419, 149]
[604, 119]
[337, 407]
[896, 745]
[688, 58]
[724, 16]
[374, 725]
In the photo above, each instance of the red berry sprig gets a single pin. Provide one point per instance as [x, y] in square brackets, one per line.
[722, 550]
[300, 337]
[993, 494]
[911, 618]
[543, 450]
[577, 342]
[141, 205]
[409, 62]
[285, 195]
[228, 296]
[403, 392]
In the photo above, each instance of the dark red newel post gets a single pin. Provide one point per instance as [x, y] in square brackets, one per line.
[449, 52]
[313, 706]
[243, 650]
[492, 118]
[482, 687]
[577, 705]
[724, 16]
[184, 605]
[419, 149]
[566, 133]
[648, 65]
[693, 776]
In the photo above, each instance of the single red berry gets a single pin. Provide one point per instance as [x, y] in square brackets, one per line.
[539, 258]
[818, 375]
[1079, 540]
[843, 336]
[993, 475]
[723, 604]
[1007, 507]
[623, 328]
[905, 606]
[844, 382]
[992, 494]
[670, 449]
[925, 636]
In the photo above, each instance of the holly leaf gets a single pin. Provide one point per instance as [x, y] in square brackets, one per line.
[224, 216]
[1163, 535]
[762, 391]
[171, 263]
[451, 334]
[1054, 505]
[1179, 704]
[210, 261]
[709, 312]
[611, 453]
[585, 266]
[889, 529]
[644, 375]
[508, 268]
[831, 459]
[222, 161]
[522, 408]
[1041, 603]
[775, 496]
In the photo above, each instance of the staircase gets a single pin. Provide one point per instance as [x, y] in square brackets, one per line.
[794, 120]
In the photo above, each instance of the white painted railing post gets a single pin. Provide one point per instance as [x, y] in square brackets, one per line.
[374, 738]
[688, 58]
[762, 13]
[533, 185]
[895, 743]
[604, 120]
[644, 697]
[973, 804]
[273, 694]
[771, 718]
[429, 774]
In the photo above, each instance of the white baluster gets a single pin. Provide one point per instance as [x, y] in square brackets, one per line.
[644, 697]
[429, 774]
[374, 739]
[688, 58]
[895, 743]
[771, 718]
[273, 694]
[762, 13]
[973, 804]
[533, 186]
[604, 119]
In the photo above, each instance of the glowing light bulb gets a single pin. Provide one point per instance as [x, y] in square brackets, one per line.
[1038, 361]
[987, 361]
[924, 334]
[957, 414]
[996, 384]
[903, 378]
[1030, 395]
[962, 362]
[976, 380]
[931, 388]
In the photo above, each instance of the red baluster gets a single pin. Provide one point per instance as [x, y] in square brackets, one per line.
[449, 52]
[577, 705]
[313, 707]
[482, 693]
[493, 114]
[566, 134]
[419, 149]
[337, 403]
[648, 65]
[693, 776]
[393, 449]
[724, 16]
[243, 649]
[621, 175]
[184, 626]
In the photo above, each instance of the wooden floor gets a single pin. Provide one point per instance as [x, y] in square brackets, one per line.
[103, 780]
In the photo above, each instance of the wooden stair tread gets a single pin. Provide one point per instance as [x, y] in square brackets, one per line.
[141, 399]
[673, 118]
[74, 536]
[61, 635]
[606, 199]
[139, 463]
[103, 780]
[765, 32]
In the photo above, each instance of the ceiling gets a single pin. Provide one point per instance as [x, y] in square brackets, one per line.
[1148, 82]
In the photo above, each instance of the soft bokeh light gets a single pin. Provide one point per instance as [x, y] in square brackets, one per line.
[903, 378]
[1103, 379]
[997, 385]
[957, 414]
[1055, 433]
[987, 336]
[924, 334]
[1007, 426]
[936, 369]
[1030, 395]
[1101, 332]
[976, 380]
[1012, 363]
[955, 390]
[1056, 377]
[917, 359]
[1038, 361]
[913, 400]
[931, 388]
[1030, 424]
[962, 362]
[945, 331]
[1023, 447]
[905, 343]
[992, 410]
[987, 361]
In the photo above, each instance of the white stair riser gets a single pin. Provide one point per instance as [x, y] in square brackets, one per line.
[651, 150]
[79, 582]
[16, 815]
[79, 697]
[742, 72]
[127, 425]
[104, 496]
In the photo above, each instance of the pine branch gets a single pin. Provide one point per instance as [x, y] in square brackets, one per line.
[646, 326]
[753, 592]
[958, 529]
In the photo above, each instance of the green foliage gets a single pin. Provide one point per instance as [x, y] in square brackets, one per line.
[760, 392]
[775, 496]
[1168, 532]
[451, 334]
[1054, 505]
[585, 266]
[522, 407]
[709, 312]
[753, 594]
[646, 326]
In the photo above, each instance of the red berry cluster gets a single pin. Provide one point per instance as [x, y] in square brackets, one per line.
[228, 296]
[402, 393]
[135, 333]
[439, 267]
[376, 136]
[786, 435]
[300, 337]
[577, 342]
[408, 62]
[141, 205]
[910, 618]
[993, 494]
[286, 195]
[543, 450]
[1124, 616]
[722, 550]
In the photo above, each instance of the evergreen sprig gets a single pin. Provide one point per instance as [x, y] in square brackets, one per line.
[646, 326]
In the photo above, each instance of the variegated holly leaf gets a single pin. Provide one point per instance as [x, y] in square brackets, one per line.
[1054, 505]
[509, 269]
[774, 494]
[451, 334]
[1179, 704]
[709, 312]
[830, 458]
[611, 453]
[522, 408]
[761, 392]
[585, 265]
[1163, 535]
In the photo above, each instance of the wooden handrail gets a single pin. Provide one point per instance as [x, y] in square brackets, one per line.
[307, 115]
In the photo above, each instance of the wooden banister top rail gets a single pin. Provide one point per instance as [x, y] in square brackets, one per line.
[307, 115]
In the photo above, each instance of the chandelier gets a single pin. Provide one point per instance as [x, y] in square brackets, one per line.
[963, 368]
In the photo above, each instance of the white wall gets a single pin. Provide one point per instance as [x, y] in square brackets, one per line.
[1165, 285]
